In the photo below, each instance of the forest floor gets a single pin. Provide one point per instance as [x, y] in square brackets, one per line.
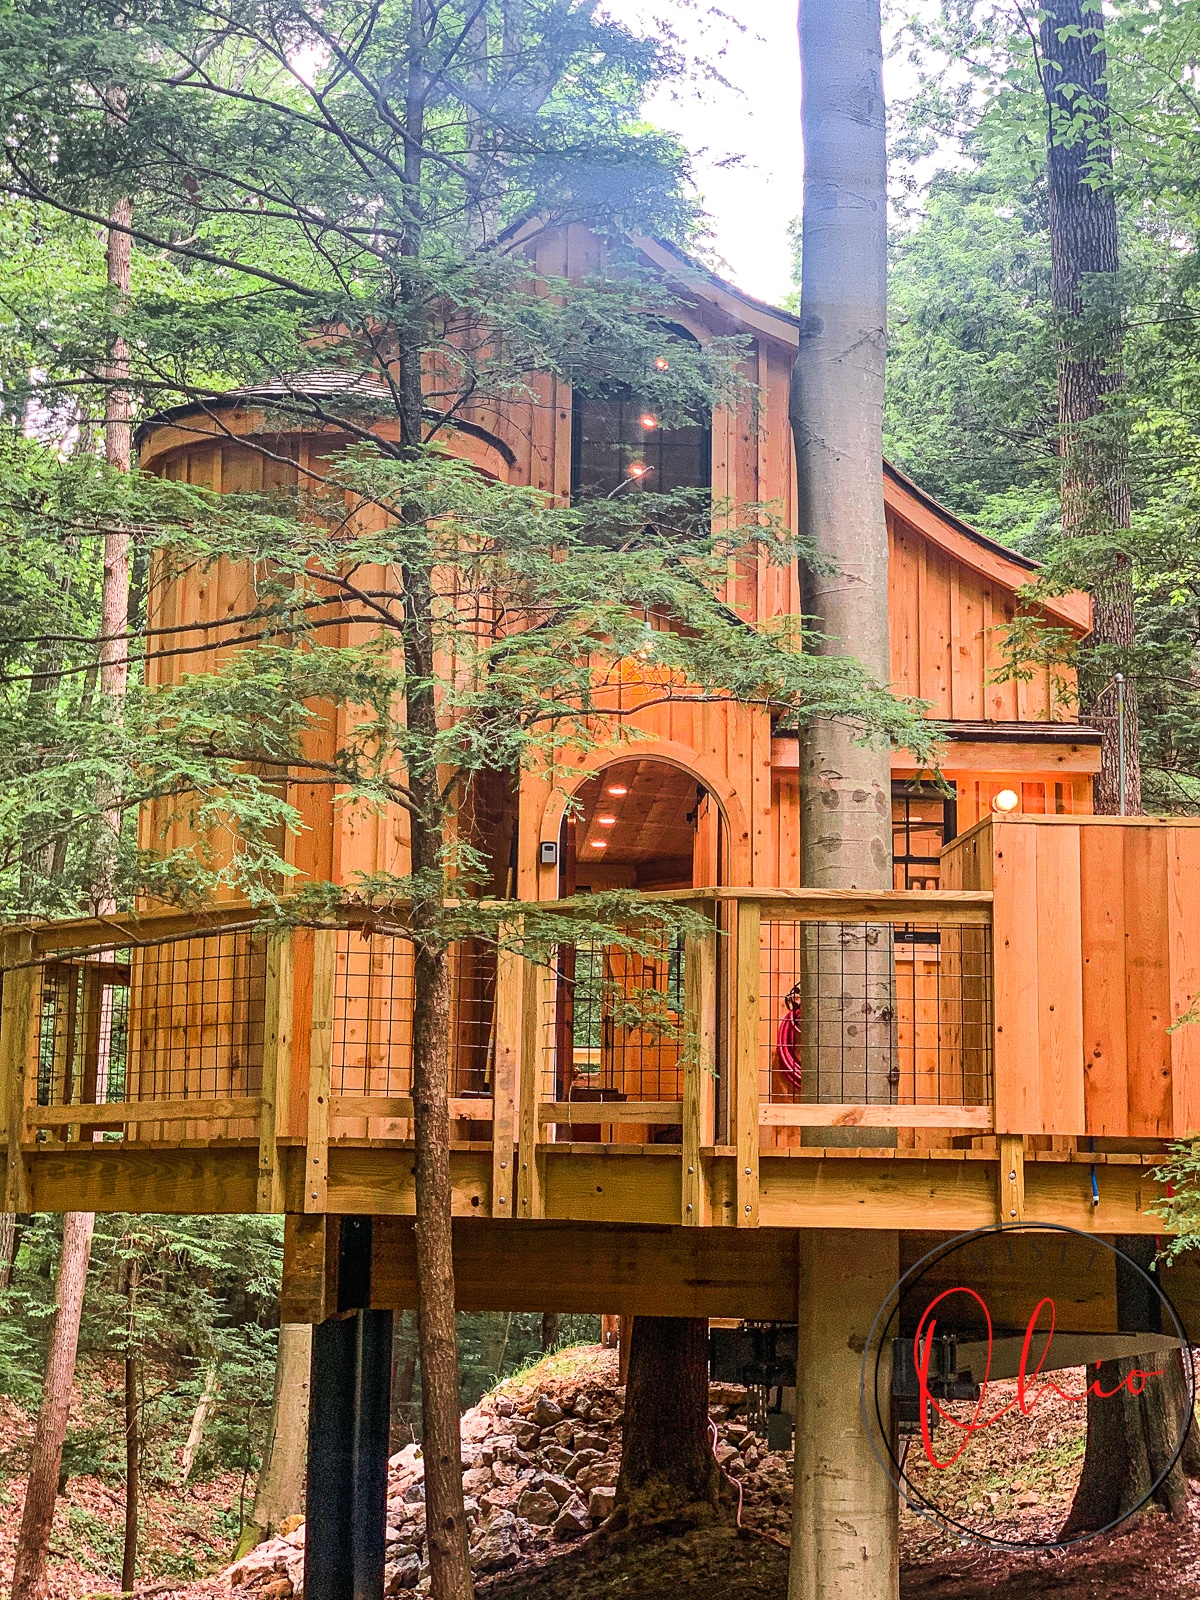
[187, 1535]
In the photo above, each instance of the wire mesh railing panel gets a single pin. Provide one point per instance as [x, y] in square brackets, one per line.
[373, 1016]
[83, 1033]
[177, 1021]
[197, 1012]
[617, 1023]
[874, 1014]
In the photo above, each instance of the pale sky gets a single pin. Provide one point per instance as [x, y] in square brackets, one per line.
[756, 119]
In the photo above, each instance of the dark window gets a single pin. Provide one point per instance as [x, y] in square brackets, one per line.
[923, 820]
[619, 443]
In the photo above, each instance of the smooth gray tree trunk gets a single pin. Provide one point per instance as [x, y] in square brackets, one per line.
[837, 422]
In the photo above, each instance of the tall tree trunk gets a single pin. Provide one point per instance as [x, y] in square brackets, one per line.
[9, 1239]
[842, 1509]
[668, 1475]
[1093, 437]
[551, 1322]
[280, 1489]
[132, 1472]
[837, 422]
[45, 1456]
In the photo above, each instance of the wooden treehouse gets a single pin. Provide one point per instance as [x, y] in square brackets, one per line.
[180, 1062]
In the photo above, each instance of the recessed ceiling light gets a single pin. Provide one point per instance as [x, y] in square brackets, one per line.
[599, 844]
[607, 822]
[617, 789]
[648, 421]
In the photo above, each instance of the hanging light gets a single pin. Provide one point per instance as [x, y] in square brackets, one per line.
[661, 364]
[648, 421]
[637, 469]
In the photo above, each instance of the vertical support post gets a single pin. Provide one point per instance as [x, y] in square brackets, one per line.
[505, 1072]
[349, 1421]
[372, 1425]
[276, 1070]
[745, 1062]
[530, 1200]
[329, 1499]
[845, 1512]
[20, 1019]
[700, 1023]
[316, 1151]
[1012, 1178]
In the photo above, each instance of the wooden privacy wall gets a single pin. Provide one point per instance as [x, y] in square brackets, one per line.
[1097, 957]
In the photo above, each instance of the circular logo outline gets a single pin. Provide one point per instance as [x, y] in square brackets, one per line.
[880, 1431]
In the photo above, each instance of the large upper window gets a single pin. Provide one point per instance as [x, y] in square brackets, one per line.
[619, 447]
[620, 444]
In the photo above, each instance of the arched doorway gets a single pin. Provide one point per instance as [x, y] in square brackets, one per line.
[648, 825]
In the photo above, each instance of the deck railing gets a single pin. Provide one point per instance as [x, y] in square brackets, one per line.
[798, 1011]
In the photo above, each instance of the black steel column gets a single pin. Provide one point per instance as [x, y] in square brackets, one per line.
[329, 1499]
[372, 1426]
[348, 1431]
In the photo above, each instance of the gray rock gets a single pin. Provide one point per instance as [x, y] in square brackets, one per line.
[528, 1435]
[581, 1459]
[600, 1475]
[538, 1506]
[477, 1480]
[505, 1407]
[504, 1446]
[401, 1575]
[415, 1493]
[600, 1504]
[572, 1520]
[545, 1413]
[555, 1454]
[496, 1551]
[591, 1441]
[558, 1487]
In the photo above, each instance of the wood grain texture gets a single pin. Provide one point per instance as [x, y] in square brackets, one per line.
[274, 1113]
[1102, 931]
[1183, 964]
[1059, 982]
[316, 1147]
[745, 1093]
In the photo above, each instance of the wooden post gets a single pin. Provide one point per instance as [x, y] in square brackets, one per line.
[845, 1539]
[276, 1070]
[316, 1152]
[1012, 1178]
[534, 984]
[20, 1018]
[505, 1072]
[700, 1018]
[745, 1062]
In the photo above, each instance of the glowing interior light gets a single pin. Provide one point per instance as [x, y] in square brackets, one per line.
[648, 421]
[661, 364]
[616, 788]
[1007, 800]
[599, 844]
[607, 822]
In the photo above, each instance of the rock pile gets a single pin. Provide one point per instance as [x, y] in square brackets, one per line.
[538, 1468]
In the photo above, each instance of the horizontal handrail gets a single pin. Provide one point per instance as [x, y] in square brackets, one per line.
[136, 928]
[87, 1116]
[392, 1105]
[589, 1112]
[978, 1118]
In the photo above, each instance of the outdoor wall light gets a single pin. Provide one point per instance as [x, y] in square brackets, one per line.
[648, 421]
[661, 364]
[1007, 800]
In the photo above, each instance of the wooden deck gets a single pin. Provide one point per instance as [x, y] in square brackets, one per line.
[180, 1063]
